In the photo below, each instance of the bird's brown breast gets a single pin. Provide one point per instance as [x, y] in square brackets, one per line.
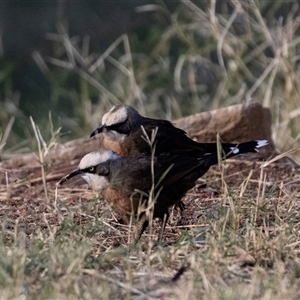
[121, 201]
[115, 146]
[132, 145]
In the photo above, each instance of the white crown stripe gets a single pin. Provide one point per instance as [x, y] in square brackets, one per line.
[96, 158]
[115, 116]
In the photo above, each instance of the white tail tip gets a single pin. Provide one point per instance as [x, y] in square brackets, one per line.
[261, 143]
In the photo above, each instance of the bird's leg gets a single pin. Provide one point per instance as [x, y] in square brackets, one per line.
[180, 205]
[163, 226]
[141, 230]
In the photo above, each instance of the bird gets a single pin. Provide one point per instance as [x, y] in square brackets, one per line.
[127, 182]
[127, 133]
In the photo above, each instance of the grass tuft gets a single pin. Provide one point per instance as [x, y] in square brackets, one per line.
[238, 237]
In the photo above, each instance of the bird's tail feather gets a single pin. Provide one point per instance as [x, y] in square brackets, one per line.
[230, 150]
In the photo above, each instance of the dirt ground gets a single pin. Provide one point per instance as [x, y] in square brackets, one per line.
[23, 199]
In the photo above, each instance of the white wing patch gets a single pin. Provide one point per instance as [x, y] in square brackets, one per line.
[235, 150]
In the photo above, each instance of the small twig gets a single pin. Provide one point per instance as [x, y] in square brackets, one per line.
[52, 235]
[6, 133]
[119, 283]
[223, 35]
[41, 156]
[282, 155]
[179, 273]
[262, 77]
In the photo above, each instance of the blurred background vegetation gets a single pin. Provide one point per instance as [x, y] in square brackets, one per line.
[65, 63]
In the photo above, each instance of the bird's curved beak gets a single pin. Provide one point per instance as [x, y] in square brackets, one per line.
[98, 130]
[70, 175]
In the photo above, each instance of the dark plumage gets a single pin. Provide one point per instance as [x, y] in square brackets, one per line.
[122, 133]
[120, 178]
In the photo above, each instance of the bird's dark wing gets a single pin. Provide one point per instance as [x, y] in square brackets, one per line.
[170, 138]
[130, 173]
[182, 168]
[188, 167]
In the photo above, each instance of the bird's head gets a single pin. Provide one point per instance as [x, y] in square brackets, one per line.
[118, 122]
[92, 169]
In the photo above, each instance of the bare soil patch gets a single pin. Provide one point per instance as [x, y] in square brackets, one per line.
[23, 198]
[233, 216]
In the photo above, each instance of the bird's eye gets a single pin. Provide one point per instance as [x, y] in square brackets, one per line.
[92, 169]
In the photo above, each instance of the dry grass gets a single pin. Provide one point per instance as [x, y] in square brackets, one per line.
[256, 58]
[239, 235]
[237, 238]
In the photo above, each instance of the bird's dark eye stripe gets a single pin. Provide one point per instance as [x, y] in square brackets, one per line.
[90, 170]
[114, 127]
[120, 127]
